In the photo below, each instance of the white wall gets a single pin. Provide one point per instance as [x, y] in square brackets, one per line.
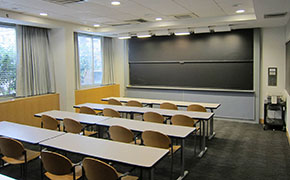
[273, 55]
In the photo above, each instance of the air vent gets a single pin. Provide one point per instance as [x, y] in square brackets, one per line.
[62, 2]
[136, 21]
[124, 24]
[184, 16]
[276, 15]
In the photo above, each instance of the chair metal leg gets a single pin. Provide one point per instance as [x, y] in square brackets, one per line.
[195, 139]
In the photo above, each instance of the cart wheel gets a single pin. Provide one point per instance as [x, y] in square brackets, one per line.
[265, 127]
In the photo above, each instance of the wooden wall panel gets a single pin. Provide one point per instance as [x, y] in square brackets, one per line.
[94, 95]
[22, 110]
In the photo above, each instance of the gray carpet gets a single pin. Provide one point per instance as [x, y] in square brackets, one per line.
[238, 151]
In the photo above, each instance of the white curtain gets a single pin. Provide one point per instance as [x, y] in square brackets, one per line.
[108, 66]
[35, 70]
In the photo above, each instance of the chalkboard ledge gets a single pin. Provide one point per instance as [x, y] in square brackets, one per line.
[189, 89]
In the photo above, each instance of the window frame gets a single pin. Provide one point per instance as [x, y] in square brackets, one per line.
[93, 55]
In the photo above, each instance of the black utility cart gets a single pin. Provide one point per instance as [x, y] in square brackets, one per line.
[274, 115]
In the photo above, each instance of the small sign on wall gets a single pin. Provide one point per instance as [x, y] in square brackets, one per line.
[272, 76]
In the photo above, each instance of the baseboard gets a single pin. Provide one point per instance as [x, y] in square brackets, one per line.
[288, 137]
[261, 121]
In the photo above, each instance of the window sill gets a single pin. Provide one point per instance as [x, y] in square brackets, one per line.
[6, 98]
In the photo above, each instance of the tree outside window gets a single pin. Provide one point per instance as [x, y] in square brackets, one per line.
[7, 61]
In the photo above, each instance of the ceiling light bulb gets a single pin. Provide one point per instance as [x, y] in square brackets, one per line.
[43, 14]
[158, 19]
[115, 3]
[182, 33]
[144, 36]
[240, 11]
[97, 25]
[124, 37]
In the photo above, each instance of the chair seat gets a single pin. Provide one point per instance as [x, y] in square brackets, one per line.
[128, 177]
[30, 156]
[90, 133]
[138, 141]
[175, 148]
[78, 171]
[197, 128]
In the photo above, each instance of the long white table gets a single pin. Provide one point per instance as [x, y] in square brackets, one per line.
[203, 116]
[151, 102]
[30, 134]
[179, 132]
[141, 110]
[82, 118]
[130, 154]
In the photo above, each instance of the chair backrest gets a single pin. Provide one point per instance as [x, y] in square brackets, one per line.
[55, 163]
[121, 134]
[72, 126]
[111, 112]
[196, 107]
[49, 122]
[98, 170]
[114, 102]
[167, 105]
[11, 147]
[182, 120]
[134, 103]
[87, 110]
[156, 139]
[153, 117]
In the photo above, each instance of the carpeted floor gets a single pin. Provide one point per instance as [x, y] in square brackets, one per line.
[238, 151]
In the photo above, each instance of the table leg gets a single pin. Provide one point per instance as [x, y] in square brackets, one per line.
[203, 145]
[152, 173]
[183, 173]
[131, 115]
[211, 128]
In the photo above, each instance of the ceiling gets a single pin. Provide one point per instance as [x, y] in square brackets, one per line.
[133, 16]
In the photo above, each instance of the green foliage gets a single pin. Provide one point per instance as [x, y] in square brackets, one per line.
[7, 71]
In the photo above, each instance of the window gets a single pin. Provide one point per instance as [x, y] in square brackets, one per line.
[90, 59]
[7, 60]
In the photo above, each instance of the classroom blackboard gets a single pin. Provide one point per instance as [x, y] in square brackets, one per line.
[213, 60]
[288, 67]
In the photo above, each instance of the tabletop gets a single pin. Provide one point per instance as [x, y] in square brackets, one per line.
[160, 101]
[164, 112]
[142, 156]
[83, 118]
[137, 125]
[30, 134]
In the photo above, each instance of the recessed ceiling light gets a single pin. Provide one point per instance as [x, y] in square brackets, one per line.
[181, 32]
[143, 35]
[97, 25]
[124, 36]
[115, 3]
[43, 14]
[158, 19]
[240, 11]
